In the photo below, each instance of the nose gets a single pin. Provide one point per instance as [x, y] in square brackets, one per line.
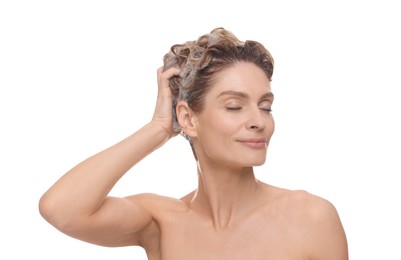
[257, 125]
[256, 121]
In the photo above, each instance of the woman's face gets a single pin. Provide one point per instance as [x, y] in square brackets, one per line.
[235, 126]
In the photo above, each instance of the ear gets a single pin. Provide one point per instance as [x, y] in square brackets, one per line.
[186, 119]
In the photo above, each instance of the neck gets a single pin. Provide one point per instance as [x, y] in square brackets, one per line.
[224, 194]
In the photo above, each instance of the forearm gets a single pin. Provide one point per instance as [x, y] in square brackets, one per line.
[82, 190]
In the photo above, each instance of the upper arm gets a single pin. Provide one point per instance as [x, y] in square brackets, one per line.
[117, 222]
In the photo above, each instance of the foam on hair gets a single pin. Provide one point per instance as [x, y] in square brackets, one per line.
[200, 60]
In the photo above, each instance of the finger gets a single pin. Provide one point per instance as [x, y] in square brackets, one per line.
[166, 75]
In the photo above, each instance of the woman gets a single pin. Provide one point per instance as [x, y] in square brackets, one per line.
[219, 88]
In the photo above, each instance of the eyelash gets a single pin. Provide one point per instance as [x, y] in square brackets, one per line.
[233, 108]
[239, 108]
[269, 110]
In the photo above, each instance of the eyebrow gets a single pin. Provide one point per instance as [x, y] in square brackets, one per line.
[269, 94]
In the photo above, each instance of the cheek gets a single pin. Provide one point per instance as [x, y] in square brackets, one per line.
[215, 127]
[270, 125]
[223, 124]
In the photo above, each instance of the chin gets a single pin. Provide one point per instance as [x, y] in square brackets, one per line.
[259, 163]
[254, 162]
[257, 160]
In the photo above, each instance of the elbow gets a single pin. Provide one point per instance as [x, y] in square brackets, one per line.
[45, 207]
[52, 212]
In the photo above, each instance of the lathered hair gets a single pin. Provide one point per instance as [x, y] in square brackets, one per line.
[199, 61]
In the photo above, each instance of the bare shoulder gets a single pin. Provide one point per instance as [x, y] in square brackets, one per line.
[312, 220]
[156, 204]
[309, 205]
[157, 208]
[303, 206]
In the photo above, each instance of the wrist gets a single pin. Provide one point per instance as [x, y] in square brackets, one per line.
[160, 133]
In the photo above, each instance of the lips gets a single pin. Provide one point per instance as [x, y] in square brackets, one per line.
[254, 142]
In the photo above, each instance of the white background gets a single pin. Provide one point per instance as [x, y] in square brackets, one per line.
[78, 76]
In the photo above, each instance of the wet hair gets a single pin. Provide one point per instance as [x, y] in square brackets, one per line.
[201, 61]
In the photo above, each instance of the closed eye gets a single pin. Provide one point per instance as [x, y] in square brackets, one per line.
[233, 108]
[269, 110]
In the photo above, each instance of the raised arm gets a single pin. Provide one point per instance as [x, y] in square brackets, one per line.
[78, 205]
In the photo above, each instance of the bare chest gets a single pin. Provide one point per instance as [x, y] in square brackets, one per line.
[188, 237]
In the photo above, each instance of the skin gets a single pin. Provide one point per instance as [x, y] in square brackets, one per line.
[231, 214]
